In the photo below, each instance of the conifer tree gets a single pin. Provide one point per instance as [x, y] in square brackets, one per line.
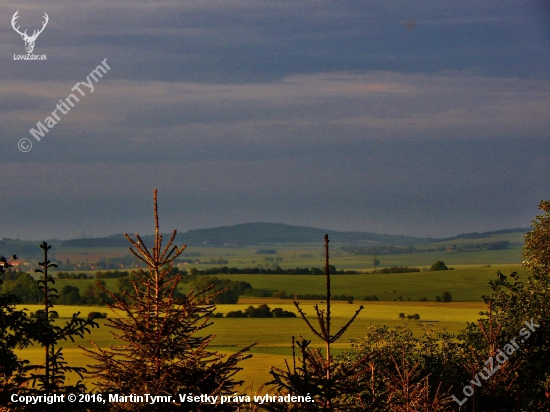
[163, 347]
[13, 335]
[332, 385]
[50, 377]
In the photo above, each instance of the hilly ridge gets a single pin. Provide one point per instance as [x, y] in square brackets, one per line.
[266, 233]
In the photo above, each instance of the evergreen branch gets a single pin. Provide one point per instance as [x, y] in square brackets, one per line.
[345, 327]
[323, 323]
[303, 315]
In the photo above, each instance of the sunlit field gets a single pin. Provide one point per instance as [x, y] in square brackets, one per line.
[273, 336]
[397, 293]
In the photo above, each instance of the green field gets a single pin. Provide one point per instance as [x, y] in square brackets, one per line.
[273, 336]
[466, 282]
[312, 254]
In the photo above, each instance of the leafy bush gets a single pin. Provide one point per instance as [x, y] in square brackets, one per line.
[235, 314]
[97, 315]
[261, 311]
[439, 265]
[69, 295]
[280, 313]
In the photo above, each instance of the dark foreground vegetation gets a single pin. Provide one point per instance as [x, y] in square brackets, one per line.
[500, 363]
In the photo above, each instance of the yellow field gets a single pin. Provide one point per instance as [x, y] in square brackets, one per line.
[273, 335]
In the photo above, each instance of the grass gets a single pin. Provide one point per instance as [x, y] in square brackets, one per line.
[465, 283]
[273, 336]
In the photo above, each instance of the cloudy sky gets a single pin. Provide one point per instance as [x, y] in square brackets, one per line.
[426, 118]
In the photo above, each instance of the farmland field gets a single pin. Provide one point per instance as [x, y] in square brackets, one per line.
[465, 283]
[312, 254]
[273, 335]
[397, 293]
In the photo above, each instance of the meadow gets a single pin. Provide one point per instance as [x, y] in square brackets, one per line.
[312, 254]
[466, 283]
[273, 336]
[397, 293]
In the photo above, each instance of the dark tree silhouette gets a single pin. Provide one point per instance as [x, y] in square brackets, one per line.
[50, 377]
[163, 349]
[329, 383]
[13, 335]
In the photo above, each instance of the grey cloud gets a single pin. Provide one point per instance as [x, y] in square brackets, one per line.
[261, 41]
[130, 121]
[425, 187]
[262, 110]
[21, 101]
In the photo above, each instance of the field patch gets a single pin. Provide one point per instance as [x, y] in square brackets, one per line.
[273, 336]
[466, 284]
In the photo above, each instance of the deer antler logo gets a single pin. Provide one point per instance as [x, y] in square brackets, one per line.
[29, 40]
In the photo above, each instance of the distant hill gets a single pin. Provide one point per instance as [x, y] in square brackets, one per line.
[266, 233]
[253, 234]
[477, 235]
[20, 248]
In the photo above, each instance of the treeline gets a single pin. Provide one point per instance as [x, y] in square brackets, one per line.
[224, 270]
[67, 275]
[115, 274]
[501, 245]
[104, 263]
[26, 288]
[397, 269]
[296, 296]
[397, 250]
[385, 250]
[262, 311]
[219, 261]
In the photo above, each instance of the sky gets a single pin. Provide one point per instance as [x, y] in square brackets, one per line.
[422, 118]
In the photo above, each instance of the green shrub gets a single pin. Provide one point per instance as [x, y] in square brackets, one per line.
[97, 315]
[439, 265]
